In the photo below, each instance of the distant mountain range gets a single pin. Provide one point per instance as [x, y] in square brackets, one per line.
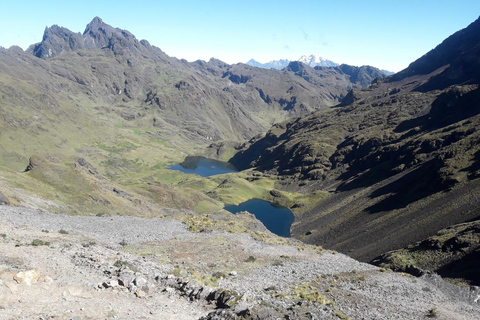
[311, 60]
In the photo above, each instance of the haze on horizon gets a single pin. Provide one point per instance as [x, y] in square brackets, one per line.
[385, 34]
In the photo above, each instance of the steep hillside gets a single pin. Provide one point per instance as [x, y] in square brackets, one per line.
[399, 158]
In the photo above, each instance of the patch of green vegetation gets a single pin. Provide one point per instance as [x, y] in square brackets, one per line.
[235, 189]
[250, 259]
[207, 279]
[206, 206]
[121, 147]
[89, 244]
[310, 293]
[38, 242]
[62, 231]
[177, 271]
[341, 315]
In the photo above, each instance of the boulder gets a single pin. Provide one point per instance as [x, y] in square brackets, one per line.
[28, 277]
[126, 277]
[140, 282]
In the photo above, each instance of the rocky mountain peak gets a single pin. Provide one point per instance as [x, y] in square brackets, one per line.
[56, 40]
[296, 66]
[97, 21]
[97, 34]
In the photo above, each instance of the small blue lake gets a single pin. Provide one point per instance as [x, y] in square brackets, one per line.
[203, 166]
[276, 218]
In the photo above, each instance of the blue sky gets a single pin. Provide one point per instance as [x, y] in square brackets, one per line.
[388, 34]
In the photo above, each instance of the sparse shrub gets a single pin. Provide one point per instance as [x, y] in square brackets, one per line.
[3, 235]
[177, 271]
[341, 315]
[312, 294]
[111, 314]
[45, 231]
[432, 313]
[89, 244]
[123, 243]
[62, 231]
[251, 259]
[219, 275]
[205, 280]
[38, 242]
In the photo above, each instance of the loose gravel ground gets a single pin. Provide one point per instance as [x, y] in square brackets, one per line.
[267, 276]
[105, 229]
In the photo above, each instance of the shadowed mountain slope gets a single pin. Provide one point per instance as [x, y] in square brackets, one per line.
[399, 158]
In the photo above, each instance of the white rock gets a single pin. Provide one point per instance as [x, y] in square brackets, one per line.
[113, 283]
[28, 277]
[140, 282]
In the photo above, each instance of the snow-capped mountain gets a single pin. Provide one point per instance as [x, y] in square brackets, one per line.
[312, 60]
[275, 64]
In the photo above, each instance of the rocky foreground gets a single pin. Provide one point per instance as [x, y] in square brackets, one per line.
[68, 267]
